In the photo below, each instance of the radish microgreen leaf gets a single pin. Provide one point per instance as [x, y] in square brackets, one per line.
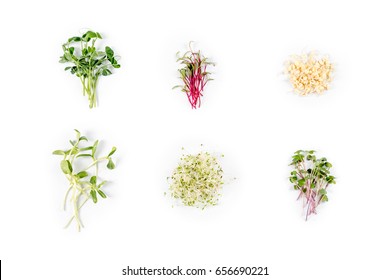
[311, 177]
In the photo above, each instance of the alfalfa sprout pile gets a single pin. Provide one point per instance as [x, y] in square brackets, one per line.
[197, 180]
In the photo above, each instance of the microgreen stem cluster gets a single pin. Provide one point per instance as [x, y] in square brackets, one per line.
[83, 183]
[89, 63]
[197, 180]
[194, 75]
[311, 177]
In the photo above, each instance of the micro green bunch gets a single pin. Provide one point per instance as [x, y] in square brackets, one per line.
[84, 183]
[311, 177]
[197, 180]
[194, 75]
[88, 62]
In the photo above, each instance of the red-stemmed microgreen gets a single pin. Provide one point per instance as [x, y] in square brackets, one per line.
[84, 183]
[88, 62]
[194, 75]
[311, 177]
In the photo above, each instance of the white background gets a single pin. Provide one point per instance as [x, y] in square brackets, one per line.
[249, 113]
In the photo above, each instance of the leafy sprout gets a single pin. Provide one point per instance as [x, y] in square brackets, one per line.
[311, 177]
[194, 75]
[197, 180]
[88, 62]
[84, 183]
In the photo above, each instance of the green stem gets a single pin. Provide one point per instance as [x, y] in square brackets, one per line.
[66, 197]
[82, 79]
[71, 219]
[94, 90]
[95, 162]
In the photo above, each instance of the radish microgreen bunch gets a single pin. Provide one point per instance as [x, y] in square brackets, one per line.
[311, 177]
[84, 183]
[197, 180]
[88, 62]
[194, 75]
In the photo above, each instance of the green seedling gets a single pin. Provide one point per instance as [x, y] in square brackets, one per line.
[88, 63]
[311, 177]
[84, 182]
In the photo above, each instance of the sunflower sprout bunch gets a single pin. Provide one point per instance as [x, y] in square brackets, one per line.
[84, 183]
[311, 177]
[88, 62]
[197, 180]
[194, 75]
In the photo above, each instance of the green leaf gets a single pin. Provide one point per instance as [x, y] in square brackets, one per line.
[94, 147]
[84, 155]
[73, 70]
[66, 166]
[322, 192]
[86, 148]
[324, 198]
[330, 180]
[301, 182]
[106, 72]
[91, 50]
[83, 138]
[74, 39]
[72, 151]
[93, 180]
[112, 151]
[109, 52]
[68, 56]
[328, 164]
[324, 172]
[102, 194]
[89, 35]
[82, 174]
[59, 152]
[110, 164]
[298, 158]
[293, 179]
[93, 195]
